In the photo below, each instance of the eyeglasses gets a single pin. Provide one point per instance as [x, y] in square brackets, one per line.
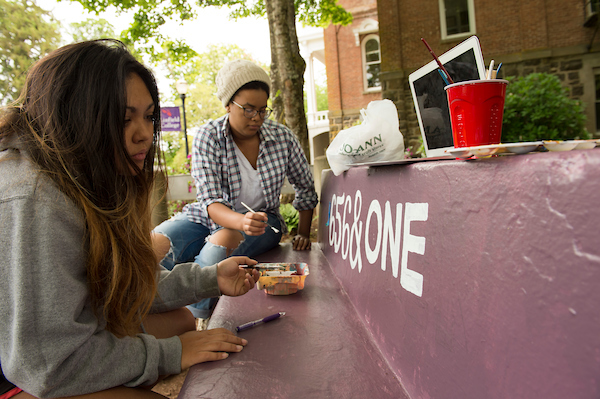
[251, 113]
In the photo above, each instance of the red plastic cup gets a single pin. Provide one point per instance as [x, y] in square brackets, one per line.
[476, 110]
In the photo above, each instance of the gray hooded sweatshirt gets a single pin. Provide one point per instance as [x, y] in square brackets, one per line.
[51, 343]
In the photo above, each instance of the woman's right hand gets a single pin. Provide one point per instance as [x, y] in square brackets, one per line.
[254, 223]
[207, 346]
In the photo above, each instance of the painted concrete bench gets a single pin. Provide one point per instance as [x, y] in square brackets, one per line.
[477, 279]
[436, 279]
[319, 349]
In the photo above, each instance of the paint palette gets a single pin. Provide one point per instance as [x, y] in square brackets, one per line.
[486, 151]
[281, 278]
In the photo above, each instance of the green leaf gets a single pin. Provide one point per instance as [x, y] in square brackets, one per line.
[537, 108]
[290, 215]
[27, 33]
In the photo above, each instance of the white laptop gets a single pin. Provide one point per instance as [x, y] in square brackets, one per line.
[463, 62]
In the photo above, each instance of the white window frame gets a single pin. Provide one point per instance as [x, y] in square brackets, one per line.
[444, 29]
[364, 62]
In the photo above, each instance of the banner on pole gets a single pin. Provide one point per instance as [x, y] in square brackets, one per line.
[170, 120]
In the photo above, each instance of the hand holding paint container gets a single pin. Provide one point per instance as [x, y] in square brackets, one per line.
[476, 110]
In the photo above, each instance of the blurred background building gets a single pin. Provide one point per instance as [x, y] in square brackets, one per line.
[371, 58]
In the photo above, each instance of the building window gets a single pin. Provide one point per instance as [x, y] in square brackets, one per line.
[457, 18]
[371, 62]
[592, 7]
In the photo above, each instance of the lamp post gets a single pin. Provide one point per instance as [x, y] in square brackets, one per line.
[182, 88]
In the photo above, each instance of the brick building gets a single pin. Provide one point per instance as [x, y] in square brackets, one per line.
[353, 61]
[555, 36]
[372, 58]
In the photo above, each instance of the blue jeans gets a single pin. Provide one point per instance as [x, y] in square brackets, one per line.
[189, 243]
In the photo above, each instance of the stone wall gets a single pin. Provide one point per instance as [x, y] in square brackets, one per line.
[395, 87]
[340, 120]
[567, 69]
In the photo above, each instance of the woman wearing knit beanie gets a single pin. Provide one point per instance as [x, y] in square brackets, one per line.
[239, 160]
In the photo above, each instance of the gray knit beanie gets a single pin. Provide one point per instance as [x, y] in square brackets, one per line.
[234, 75]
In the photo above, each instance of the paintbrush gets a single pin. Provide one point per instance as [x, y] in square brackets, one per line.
[437, 60]
[265, 266]
[251, 210]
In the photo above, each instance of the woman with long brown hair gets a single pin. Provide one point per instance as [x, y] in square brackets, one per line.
[84, 307]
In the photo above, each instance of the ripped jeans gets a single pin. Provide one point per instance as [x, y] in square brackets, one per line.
[189, 243]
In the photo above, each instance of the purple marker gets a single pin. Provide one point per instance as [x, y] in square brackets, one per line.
[257, 322]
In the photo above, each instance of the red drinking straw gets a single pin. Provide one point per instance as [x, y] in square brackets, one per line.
[437, 60]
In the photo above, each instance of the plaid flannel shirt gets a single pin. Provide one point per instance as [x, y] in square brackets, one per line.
[217, 174]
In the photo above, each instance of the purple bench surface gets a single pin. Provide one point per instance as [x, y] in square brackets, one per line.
[477, 279]
[319, 349]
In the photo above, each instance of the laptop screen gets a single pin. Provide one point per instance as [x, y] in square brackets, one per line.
[433, 103]
[463, 62]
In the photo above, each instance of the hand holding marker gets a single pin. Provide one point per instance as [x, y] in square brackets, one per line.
[250, 209]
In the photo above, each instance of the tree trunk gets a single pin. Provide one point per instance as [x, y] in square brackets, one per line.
[287, 69]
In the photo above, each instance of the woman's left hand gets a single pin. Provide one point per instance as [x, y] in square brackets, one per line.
[301, 242]
[234, 280]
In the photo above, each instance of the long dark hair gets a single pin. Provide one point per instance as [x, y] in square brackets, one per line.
[70, 119]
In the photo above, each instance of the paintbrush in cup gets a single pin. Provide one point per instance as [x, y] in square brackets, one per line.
[253, 211]
[437, 60]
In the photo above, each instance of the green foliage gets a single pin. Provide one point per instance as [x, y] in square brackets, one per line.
[322, 101]
[90, 29]
[318, 13]
[322, 13]
[419, 152]
[178, 163]
[201, 103]
[27, 33]
[206, 65]
[537, 108]
[151, 15]
[290, 216]
[172, 143]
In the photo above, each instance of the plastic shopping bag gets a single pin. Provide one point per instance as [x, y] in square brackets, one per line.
[377, 138]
